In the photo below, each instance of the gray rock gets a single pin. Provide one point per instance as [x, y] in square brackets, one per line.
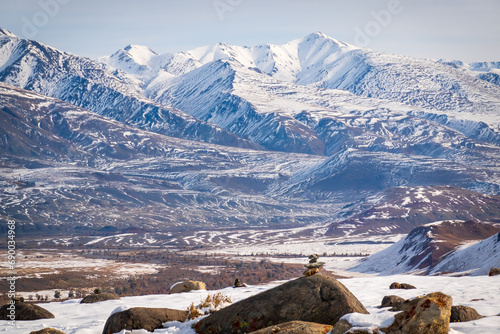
[392, 300]
[405, 286]
[142, 318]
[98, 297]
[461, 313]
[293, 327]
[25, 311]
[320, 299]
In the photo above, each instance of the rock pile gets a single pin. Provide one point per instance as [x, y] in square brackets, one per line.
[313, 267]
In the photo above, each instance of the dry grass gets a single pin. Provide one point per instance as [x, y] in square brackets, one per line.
[211, 304]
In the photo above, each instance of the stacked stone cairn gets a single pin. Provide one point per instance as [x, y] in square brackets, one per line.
[313, 267]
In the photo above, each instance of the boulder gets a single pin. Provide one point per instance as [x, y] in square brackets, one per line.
[292, 327]
[341, 327]
[405, 286]
[461, 313]
[187, 286]
[98, 297]
[318, 298]
[142, 318]
[494, 272]
[47, 330]
[392, 300]
[25, 311]
[426, 314]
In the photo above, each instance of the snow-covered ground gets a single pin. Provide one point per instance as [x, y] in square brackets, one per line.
[480, 292]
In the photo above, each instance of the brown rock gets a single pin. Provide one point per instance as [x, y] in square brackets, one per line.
[461, 313]
[293, 327]
[25, 311]
[142, 318]
[341, 327]
[405, 286]
[187, 286]
[426, 314]
[392, 300]
[47, 330]
[318, 298]
[98, 297]
[494, 272]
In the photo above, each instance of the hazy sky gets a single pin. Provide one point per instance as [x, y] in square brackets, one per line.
[450, 29]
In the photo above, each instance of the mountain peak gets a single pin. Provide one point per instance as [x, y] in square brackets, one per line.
[5, 32]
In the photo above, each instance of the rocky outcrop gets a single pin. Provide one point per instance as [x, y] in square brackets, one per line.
[47, 330]
[25, 311]
[98, 297]
[461, 313]
[494, 272]
[142, 318]
[426, 314]
[405, 286]
[318, 298]
[187, 286]
[293, 327]
[392, 301]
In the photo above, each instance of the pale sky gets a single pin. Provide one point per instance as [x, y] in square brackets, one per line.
[449, 29]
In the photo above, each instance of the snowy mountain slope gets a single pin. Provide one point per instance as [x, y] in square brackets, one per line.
[426, 246]
[404, 208]
[289, 117]
[324, 62]
[65, 169]
[478, 258]
[96, 87]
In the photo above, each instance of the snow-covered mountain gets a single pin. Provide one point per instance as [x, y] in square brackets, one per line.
[429, 248]
[367, 122]
[91, 85]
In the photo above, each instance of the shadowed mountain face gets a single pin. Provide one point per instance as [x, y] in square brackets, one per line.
[313, 131]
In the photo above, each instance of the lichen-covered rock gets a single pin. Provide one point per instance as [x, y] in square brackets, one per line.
[187, 286]
[25, 311]
[293, 327]
[392, 301]
[405, 286]
[98, 297]
[142, 318]
[318, 298]
[426, 314]
[47, 330]
[461, 313]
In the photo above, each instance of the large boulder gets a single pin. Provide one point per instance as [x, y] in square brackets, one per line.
[142, 318]
[460, 313]
[425, 314]
[98, 297]
[47, 330]
[320, 299]
[187, 286]
[494, 272]
[293, 327]
[392, 301]
[25, 311]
